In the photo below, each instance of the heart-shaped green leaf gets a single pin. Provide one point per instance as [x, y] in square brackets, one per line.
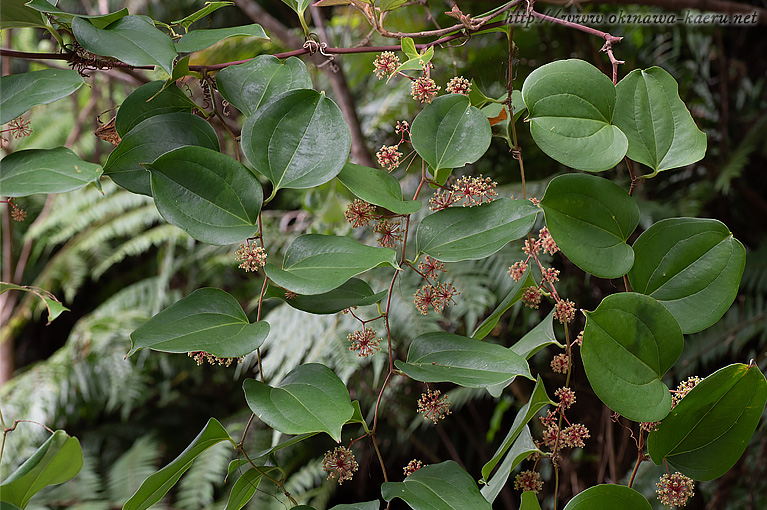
[708, 430]
[604, 496]
[355, 292]
[254, 83]
[211, 196]
[377, 187]
[317, 263]
[57, 460]
[443, 486]
[538, 399]
[445, 357]
[298, 140]
[98, 20]
[58, 170]
[147, 101]
[158, 484]
[691, 265]
[200, 39]
[152, 138]
[570, 107]
[591, 218]
[208, 320]
[514, 295]
[660, 130]
[311, 398]
[629, 342]
[20, 92]
[131, 39]
[470, 233]
[450, 133]
[522, 447]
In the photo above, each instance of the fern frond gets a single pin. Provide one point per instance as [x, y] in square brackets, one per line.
[127, 473]
[198, 484]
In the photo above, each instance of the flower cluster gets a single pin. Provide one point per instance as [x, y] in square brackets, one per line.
[675, 490]
[436, 296]
[412, 466]
[564, 311]
[683, 389]
[340, 463]
[424, 89]
[359, 213]
[385, 64]
[390, 233]
[433, 405]
[547, 243]
[388, 157]
[574, 435]
[531, 296]
[17, 213]
[250, 256]
[550, 274]
[528, 481]
[566, 397]
[430, 267]
[402, 127]
[517, 271]
[18, 127]
[475, 190]
[201, 357]
[459, 85]
[560, 363]
[364, 342]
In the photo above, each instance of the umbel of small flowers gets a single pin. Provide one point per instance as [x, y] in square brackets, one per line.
[469, 190]
[682, 389]
[360, 214]
[412, 466]
[459, 85]
[388, 155]
[340, 463]
[528, 481]
[433, 405]
[201, 357]
[17, 213]
[436, 296]
[250, 256]
[674, 490]
[364, 342]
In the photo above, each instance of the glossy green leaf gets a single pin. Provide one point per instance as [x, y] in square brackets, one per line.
[709, 429]
[254, 83]
[538, 399]
[354, 292]
[450, 133]
[443, 486]
[53, 305]
[209, 8]
[591, 218]
[629, 342]
[604, 496]
[570, 106]
[132, 39]
[58, 170]
[297, 5]
[152, 138]
[367, 505]
[691, 265]
[8, 506]
[311, 398]
[299, 140]
[377, 187]
[537, 338]
[209, 320]
[529, 501]
[445, 357]
[357, 417]
[98, 20]
[14, 14]
[514, 295]
[390, 5]
[659, 128]
[159, 483]
[57, 460]
[316, 263]
[470, 233]
[415, 60]
[211, 196]
[522, 447]
[245, 487]
[204, 38]
[20, 92]
[147, 101]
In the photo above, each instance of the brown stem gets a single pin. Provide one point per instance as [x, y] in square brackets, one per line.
[640, 458]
